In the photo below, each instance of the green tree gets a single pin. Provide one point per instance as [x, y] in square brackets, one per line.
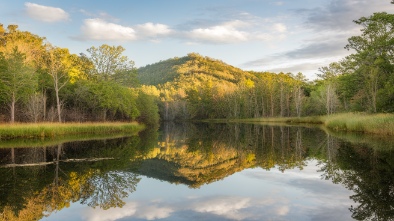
[110, 64]
[147, 106]
[17, 80]
[329, 92]
[298, 91]
[374, 57]
[63, 69]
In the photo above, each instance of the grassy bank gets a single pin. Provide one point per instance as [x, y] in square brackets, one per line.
[42, 130]
[353, 122]
[374, 124]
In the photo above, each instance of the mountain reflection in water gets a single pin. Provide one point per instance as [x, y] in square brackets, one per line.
[211, 172]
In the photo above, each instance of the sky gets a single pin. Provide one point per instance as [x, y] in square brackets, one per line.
[259, 35]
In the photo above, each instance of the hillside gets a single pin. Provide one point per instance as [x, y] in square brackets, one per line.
[191, 86]
[160, 72]
[190, 68]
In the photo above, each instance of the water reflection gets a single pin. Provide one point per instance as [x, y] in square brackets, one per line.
[104, 174]
[38, 181]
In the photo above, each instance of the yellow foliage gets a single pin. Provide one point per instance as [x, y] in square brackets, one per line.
[74, 74]
[249, 83]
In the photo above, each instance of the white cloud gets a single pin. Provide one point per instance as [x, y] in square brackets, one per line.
[111, 214]
[243, 29]
[131, 209]
[150, 29]
[154, 212]
[45, 13]
[283, 210]
[101, 29]
[218, 34]
[264, 37]
[229, 207]
[280, 27]
[222, 205]
[98, 29]
[224, 33]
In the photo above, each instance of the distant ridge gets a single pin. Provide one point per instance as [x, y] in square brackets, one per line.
[192, 67]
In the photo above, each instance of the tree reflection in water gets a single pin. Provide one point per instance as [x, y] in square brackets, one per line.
[107, 189]
[103, 173]
[369, 174]
[95, 173]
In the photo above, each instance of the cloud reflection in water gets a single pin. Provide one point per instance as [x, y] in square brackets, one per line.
[293, 195]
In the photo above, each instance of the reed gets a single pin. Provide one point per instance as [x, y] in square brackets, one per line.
[42, 130]
[382, 124]
[361, 122]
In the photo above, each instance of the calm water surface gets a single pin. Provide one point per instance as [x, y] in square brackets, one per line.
[201, 172]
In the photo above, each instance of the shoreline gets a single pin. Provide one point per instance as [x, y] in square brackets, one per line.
[51, 130]
[380, 124]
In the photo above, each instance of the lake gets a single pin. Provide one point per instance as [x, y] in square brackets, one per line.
[200, 172]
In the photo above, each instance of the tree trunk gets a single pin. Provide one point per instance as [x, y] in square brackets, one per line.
[12, 155]
[256, 106]
[328, 99]
[105, 115]
[13, 110]
[58, 104]
[262, 105]
[272, 105]
[298, 100]
[374, 94]
[59, 150]
[166, 110]
[44, 101]
[281, 100]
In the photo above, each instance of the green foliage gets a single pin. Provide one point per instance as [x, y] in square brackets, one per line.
[80, 88]
[17, 80]
[147, 106]
[126, 78]
[107, 99]
[160, 72]
[108, 61]
[373, 62]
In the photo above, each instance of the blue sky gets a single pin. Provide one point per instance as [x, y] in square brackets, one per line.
[261, 35]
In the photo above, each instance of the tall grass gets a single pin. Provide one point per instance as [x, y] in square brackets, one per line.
[360, 122]
[356, 122]
[42, 130]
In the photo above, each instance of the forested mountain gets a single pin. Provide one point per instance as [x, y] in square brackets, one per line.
[197, 87]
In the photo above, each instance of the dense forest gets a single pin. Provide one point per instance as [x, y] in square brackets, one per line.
[41, 82]
[198, 87]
